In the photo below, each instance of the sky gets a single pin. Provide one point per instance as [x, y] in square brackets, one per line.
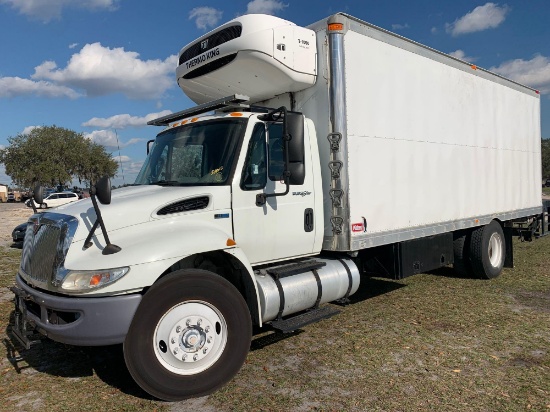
[105, 67]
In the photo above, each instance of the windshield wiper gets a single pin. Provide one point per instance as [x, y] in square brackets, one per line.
[166, 183]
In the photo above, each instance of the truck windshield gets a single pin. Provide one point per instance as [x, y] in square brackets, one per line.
[201, 153]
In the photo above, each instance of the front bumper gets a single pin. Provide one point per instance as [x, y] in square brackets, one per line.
[73, 320]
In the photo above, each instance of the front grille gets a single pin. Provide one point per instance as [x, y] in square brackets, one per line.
[47, 241]
[214, 40]
[39, 252]
[187, 205]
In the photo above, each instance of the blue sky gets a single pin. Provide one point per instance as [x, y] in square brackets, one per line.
[105, 67]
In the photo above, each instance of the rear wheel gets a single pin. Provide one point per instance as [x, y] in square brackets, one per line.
[487, 251]
[190, 335]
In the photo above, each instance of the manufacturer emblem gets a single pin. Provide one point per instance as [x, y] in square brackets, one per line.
[204, 44]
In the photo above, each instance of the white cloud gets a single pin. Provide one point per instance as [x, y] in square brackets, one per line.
[108, 139]
[400, 26]
[101, 70]
[47, 10]
[488, 16]
[534, 73]
[265, 7]
[29, 129]
[73, 45]
[434, 30]
[121, 121]
[122, 159]
[205, 17]
[16, 86]
[460, 54]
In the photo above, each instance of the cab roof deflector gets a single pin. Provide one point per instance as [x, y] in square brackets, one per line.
[235, 100]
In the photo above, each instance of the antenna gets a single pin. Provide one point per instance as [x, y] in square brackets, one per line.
[120, 159]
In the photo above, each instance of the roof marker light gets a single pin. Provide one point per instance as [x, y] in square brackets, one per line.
[335, 26]
[194, 119]
[236, 114]
[473, 66]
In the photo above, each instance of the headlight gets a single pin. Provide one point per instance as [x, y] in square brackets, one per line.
[82, 281]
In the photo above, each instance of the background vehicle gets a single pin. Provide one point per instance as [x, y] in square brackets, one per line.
[55, 200]
[18, 233]
[350, 151]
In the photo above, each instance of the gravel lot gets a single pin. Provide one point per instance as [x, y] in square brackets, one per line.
[11, 215]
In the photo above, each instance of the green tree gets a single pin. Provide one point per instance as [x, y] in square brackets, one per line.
[545, 154]
[52, 155]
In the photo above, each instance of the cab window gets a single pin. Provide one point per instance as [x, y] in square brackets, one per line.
[254, 172]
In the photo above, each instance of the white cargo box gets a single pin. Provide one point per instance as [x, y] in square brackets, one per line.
[434, 144]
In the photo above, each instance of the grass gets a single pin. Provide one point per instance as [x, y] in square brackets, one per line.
[429, 342]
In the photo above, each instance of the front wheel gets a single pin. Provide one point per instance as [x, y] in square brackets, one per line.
[190, 335]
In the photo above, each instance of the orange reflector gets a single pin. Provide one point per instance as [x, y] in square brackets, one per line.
[194, 119]
[236, 114]
[476, 221]
[185, 121]
[335, 26]
[473, 66]
[95, 279]
[230, 242]
[175, 124]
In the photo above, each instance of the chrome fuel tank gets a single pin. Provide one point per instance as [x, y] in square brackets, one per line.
[301, 290]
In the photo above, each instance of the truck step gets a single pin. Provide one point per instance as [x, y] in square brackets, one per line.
[311, 316]
[295, 268]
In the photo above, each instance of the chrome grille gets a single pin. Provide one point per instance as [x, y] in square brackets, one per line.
[47, 241]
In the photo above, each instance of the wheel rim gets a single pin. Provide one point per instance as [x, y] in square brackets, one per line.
[495, 250]
[190, 337]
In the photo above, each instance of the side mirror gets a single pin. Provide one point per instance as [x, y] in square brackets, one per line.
[38, 194]
[295, 128]
[149, 144]
[103, 190]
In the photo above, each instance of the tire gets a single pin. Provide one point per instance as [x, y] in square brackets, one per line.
[461, 249]
[487, 251]
[190, 335]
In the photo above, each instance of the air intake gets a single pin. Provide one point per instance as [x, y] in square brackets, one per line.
[186, 205]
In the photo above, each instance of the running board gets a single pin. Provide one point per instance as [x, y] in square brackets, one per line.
[311, 316]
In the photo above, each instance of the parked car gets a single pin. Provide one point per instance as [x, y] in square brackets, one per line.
[55, 199]
[11, 197]
[18, 234]
[547, 182]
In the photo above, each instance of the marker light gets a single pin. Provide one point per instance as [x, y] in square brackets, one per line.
[335, 27]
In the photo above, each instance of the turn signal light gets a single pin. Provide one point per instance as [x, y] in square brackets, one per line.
[230, 242]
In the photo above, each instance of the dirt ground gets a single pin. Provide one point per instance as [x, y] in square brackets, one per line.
[11, 215]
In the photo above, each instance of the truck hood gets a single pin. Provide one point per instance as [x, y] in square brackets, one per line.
[135, 205]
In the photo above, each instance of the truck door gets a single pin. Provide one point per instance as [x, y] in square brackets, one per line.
[283, 227]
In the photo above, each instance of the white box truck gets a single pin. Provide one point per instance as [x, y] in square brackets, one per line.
[314, 156]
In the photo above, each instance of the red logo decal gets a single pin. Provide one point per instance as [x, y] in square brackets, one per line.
[357, 227]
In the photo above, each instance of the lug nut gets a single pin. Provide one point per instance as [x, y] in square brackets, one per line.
[176, 350]
[187, 322]
[199, 322]
[204, 350]
[178, 329]
[173, 341]
[195, 357]
[207, 329]
[209, 340]
[184, 357]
